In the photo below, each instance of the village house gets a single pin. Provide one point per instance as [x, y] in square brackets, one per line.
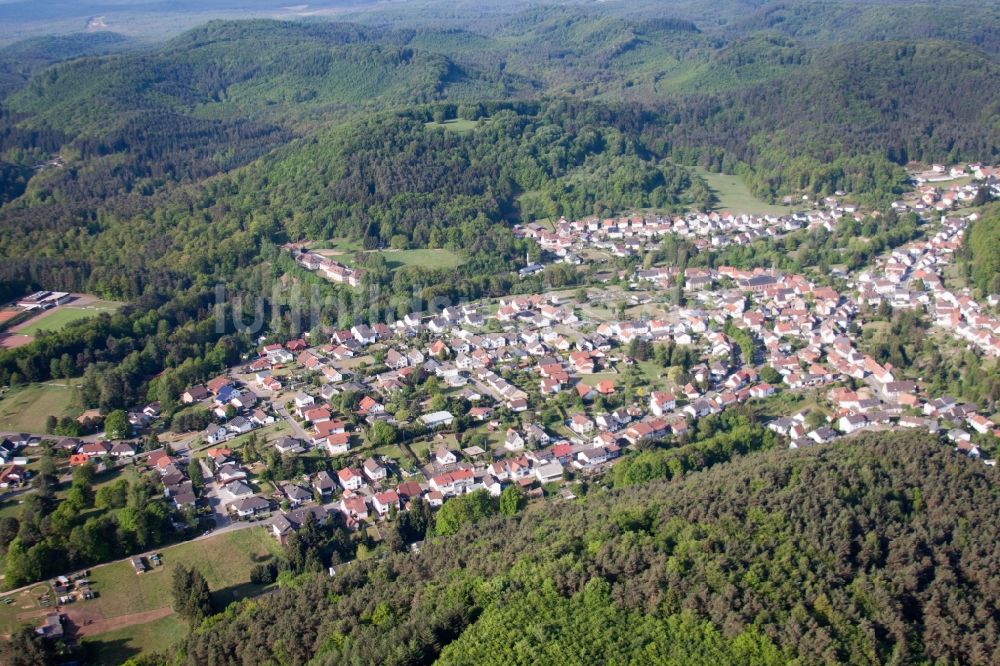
[350, 479]
[385, 502]
[249, 506]
[660, 403]
[443, 456]
[324, 484]
[373, 470]
[284, 524]
[513, 441]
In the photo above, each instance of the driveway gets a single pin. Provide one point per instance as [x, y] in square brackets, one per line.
[297, 430]
[217, 500]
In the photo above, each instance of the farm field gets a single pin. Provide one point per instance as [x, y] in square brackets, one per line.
[25, 409]
[58, 318]
[734, 195]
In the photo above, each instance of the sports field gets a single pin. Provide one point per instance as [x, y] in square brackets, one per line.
[57, 318]
[6, 314]
[428, 258]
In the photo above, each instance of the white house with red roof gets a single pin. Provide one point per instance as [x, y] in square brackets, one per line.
[350, 479]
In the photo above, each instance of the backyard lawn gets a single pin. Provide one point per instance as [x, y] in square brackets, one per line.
[598, 377]
[27, 408]
[390, 451]
[266, 434]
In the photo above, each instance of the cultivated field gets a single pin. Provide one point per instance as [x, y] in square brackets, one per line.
[25, 409]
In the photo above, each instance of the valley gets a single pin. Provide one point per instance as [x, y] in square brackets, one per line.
[520, 333]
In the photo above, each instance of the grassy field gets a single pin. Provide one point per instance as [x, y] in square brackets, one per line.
[789, 402]
[266, 434]
[344, 245]
[954, 277]
[420, 449]
[224, 560]
[656, 374]
[734, 195]
[130, 473]
[598, 377]
[428, 258]
[459, 125]
[56, 319]
[10, 508]
[26, 408]
[344, 251]
[391, 451]
[116, 647]
[25, 610]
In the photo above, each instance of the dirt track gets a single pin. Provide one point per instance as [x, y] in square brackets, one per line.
[12, 341]
[112, 623]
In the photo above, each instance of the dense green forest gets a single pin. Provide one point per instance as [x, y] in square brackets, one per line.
[20, 60]
[880, 549]
[974, 23]
[982, 252]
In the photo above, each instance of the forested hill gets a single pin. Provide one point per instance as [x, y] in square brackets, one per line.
[188, 162]
[892, 101]
[242, 69]
[882, 549]
[795, 113]
[976, 23]
[20, 60]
